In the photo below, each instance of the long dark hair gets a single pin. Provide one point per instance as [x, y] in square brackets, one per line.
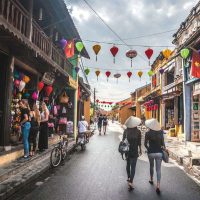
[155, 136]
[132, 133]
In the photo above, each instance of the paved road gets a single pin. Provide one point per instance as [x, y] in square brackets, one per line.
[98, 173]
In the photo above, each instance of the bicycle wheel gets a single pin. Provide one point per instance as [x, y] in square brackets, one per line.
[56, 154]
[64, 152]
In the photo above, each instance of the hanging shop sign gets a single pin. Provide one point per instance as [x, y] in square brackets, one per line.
[196, 88]
[72, 83]
[48, 78]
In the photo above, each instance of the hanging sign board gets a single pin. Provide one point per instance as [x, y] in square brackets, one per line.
[48, 78]
[72, 83]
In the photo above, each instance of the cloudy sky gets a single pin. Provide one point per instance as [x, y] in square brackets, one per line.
[129, 19]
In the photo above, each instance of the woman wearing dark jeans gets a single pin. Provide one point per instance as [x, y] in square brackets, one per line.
[35, 119]
[133, 136]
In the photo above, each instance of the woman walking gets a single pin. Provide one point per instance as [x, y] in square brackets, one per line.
[100, 119]
[25, 125]
[133, 136]
[105, 123]
[44, 130]
[154, 143]
[35, 119]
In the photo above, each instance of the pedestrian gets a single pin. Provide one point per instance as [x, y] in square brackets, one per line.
[133, 134]
[113, 119]
[154, 143]
[35, 119]
[100, 119]
[82, 128]
[105, 123]
[25, 125]
[43, 136]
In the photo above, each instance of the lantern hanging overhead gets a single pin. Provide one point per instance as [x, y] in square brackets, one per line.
[185, 53]
[34, 96]
[40, 86]
[97, 73]
[21, 76]
[16, 83]
[79, 46]
[48, 90]
[161, 71]
[77, 69]
[21, 86]
[27, 95]
[114, 51]
[150, 73]
[63, 43]
[26, 79]
[108, 73]
[87, 71]
[166, 54]
[149, 53]
[16, 75]
[129, 74]
[140, 74]
[131, 54]
[96, 49]
[117, 75]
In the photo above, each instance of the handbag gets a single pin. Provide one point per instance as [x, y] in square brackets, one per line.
[64, 110]
[165, 156]
[124, 146]
[50, 125]
[63, 98]
[63, 120]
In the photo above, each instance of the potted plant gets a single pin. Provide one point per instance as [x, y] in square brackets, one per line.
[14, 137]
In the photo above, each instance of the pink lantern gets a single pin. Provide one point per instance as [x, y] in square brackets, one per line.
[34, 96]
[152, 107]
[156, 107]
[151, 101]
[16, 83]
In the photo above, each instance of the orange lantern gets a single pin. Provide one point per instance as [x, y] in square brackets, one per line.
[167, 53]
[96, 49]
[26, 79]
[140, 74]
[97, 73]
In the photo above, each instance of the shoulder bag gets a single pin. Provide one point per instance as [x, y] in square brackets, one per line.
[63, 98]
[124, 146]
[165, 156]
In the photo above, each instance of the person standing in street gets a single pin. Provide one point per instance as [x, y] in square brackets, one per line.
[105, 123]
[44, 130]
[154, 143]
[133, 134]
[25, 124]
[100, 119]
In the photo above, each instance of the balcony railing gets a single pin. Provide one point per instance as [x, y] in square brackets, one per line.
[18, 17]
[167, 88]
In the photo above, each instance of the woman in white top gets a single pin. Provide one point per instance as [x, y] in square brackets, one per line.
[82, 127]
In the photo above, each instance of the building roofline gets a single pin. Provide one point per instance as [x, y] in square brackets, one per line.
[140, 88]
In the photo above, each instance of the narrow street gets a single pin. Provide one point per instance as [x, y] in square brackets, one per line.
[99, 173]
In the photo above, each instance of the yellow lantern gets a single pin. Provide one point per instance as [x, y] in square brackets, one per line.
[19, 96]
[140, 74]
[166, 53]
[97, 73]
[96, 49]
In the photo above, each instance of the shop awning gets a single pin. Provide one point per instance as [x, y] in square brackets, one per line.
[141, 100]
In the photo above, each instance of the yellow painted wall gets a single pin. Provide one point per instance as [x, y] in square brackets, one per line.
[87, 110]
[125, 113]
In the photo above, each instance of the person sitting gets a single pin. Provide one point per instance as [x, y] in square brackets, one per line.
[82, 128]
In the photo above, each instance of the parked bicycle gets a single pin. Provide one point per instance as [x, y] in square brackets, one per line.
[59, 152]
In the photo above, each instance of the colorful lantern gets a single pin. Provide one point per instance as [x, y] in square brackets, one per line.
[79, 46]
[26, 79]
[151, 101]
[97, 100]
[149, 53]
[166, 53]
[40, 86]
[34, 96]
[87, 71]
[140, 74]
[97, 73]
[114, 51]
[63, 43]
[117, 75]
[185, 53]
[108, 73]
[16, 83]
[131, 54]
[156, 107]
[161, 71]
[21, 86]
[96, 49]
[152, 108]
[129, 74]
[48, 90]
[150, 73]
[19, 96]
[27, 95]
[130, 103]
[21, 76]
[154, 81]
[77, 69]
[16, 75]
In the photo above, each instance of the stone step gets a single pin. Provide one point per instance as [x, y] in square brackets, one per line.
[19, 177]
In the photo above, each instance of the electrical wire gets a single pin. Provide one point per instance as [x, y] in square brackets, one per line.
[111, 69]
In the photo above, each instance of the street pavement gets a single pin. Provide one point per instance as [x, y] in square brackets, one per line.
[98, 173]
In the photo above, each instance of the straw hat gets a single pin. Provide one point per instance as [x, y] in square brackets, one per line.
[132, 122]
[123, 127]
[153, 124]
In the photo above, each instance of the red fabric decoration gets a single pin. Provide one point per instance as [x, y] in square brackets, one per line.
[114, 51]
[129, 74]
[195, 69]
[108, 74]
[149, 53]
[154, 81]
[48, 90]
[40, 86]
[69, 49]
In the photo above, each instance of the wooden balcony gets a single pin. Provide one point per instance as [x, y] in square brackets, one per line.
[19, 18]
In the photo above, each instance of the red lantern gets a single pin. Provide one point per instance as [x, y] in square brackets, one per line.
[117, 103]
[152, 107]
[156, 107]
[48, 90]
[147, 108]
[129, 74]
[40, 86]
[97, 100]
[130, 103]
[114, 51]
[108, 73]
[149, 53]
[151, 101]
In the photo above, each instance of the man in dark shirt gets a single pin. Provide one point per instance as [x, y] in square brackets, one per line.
[100, 120]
